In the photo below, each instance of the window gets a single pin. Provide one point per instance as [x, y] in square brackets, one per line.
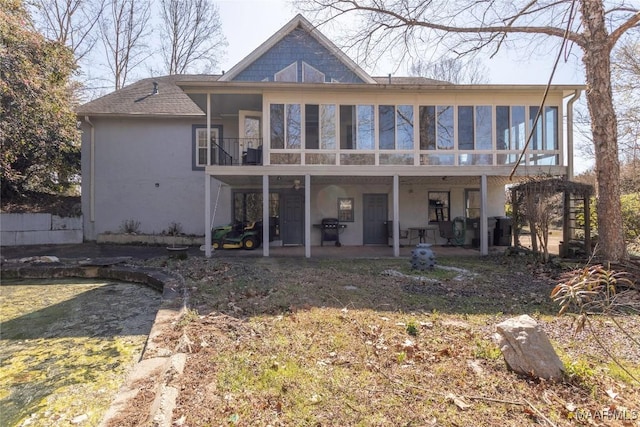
[427, 115]
[276, 125]
[328, 126]
[365, 139]
[311, 126]
[436, 127]
[445, 127]
[502, 127]
[466, 135]
[386, 124]
[536, 138]
[518, 134]
[288, 74]
[200, 145]
[285, 128]
[293, 126]
[311, 74]
[345, 209]
[320, 126]
[484, 128]
[472, 203]
[404, 123]
[438, 206]
[356, 127]
[551, 128]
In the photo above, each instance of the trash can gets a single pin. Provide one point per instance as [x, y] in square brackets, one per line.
[503, 232]
[473, 224]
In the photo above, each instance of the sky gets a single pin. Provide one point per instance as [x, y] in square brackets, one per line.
[248, 23]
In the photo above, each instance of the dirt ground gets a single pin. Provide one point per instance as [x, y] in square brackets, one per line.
[280, 341]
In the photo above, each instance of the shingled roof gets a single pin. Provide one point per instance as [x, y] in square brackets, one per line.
[418, 81]
[139, 99]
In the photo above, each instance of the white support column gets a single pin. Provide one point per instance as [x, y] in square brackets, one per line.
[307, 216]
[265, 215]
[207, 215]
[484, 226]
[396, 216]
[208, 162]
[207, 186]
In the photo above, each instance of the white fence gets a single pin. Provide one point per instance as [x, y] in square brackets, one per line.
[39, 229]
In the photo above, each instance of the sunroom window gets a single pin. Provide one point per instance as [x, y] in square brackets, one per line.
[320, 126]
[466, 137]
[285, 130]
[437, 134]
[436, 127]
[357, 127]
[395, 127]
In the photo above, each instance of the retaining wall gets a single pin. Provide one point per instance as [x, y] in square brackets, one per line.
[17, 229]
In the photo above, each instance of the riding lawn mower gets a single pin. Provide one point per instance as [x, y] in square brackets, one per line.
[246, 235]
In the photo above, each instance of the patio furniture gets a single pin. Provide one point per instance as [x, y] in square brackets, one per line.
[404, 234]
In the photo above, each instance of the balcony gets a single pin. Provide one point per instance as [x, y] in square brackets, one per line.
[236, 152]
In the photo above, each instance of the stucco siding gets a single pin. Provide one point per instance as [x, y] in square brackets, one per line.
[143, 172]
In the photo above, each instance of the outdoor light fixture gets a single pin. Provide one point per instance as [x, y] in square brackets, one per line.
[296, 184]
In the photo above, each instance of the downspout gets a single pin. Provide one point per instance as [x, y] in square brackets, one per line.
[570, 103]
[92, 174]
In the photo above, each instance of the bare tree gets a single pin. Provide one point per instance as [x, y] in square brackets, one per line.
[191, 35]
[452, 70]
[70, 22]
[626, 87]
[471, 25]
[124, 28]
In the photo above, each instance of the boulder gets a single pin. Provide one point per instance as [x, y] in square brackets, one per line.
[527, 349]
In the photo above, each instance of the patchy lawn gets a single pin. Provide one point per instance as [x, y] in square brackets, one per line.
[296, 342]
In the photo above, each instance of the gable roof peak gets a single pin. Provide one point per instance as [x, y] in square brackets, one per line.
[298, 21]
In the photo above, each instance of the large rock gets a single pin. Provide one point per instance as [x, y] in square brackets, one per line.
[527, 349]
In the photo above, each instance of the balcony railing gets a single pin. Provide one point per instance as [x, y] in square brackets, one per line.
[249, 152]
[236, 151]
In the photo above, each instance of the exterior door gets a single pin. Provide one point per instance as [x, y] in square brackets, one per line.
[292, 218]
[374, 217]
[249, 146]
[250, 129]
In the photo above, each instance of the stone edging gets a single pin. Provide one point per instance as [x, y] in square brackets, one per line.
[161, 365]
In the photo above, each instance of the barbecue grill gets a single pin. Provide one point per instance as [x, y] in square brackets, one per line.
[331, 229]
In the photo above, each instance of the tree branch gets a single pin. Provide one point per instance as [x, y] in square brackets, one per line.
[634, 21]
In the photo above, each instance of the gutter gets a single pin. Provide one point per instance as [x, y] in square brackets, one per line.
[572, 100]
[92, 173]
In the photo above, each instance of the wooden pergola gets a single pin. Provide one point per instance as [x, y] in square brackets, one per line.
[573, 193]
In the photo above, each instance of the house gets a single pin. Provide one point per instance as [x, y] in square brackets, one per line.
[297, 132]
